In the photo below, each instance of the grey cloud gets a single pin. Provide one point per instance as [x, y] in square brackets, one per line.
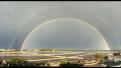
[18, 19]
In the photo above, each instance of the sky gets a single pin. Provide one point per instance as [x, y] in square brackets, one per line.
[19, 19]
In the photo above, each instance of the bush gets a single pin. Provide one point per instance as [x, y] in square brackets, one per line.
[18, 62]
[66, 63]
[98, 56]
[1, 61]
[40, 64]
[4, 63]
[111, 63]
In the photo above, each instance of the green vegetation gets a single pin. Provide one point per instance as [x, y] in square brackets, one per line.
[43, 64]
[16, 62]
[111, 63]
[66, 63]
[98, 56]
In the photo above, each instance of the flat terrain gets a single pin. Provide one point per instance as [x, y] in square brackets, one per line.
[43, 56]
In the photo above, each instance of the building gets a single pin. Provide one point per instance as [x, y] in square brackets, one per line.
[117, 54]
[117, 58]
[114, 58]
[111, 57]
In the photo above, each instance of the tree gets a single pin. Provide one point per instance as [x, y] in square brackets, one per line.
[98, 56]
[66, 63]
[46, 64]
[17, 62]
[4, 63]
[1, 61]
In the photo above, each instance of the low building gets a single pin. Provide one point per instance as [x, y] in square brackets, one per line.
[114, 58]
[117, 58]
[117, 54]
[111, 58]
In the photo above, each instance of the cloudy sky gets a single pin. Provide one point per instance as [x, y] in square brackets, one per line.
[19, 19]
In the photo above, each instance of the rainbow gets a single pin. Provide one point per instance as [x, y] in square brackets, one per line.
[105, 44]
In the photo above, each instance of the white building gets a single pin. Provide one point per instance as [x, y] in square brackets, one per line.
[114, 58]
[111, 58]
[117, 58]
